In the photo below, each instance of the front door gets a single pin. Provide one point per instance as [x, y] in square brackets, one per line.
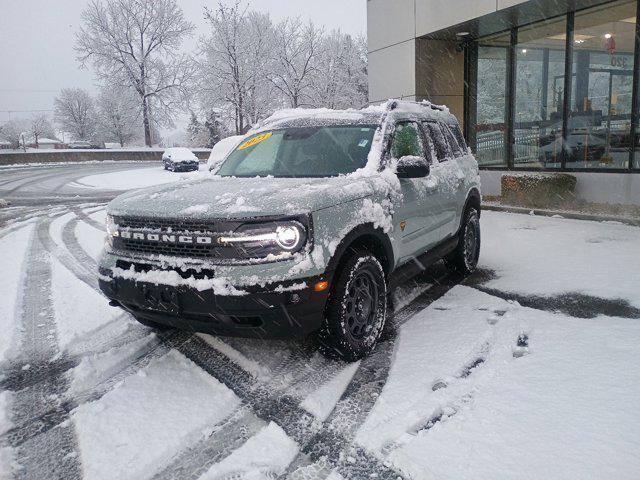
[415, 214]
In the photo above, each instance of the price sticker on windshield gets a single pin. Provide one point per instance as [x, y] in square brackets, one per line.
[255, 140]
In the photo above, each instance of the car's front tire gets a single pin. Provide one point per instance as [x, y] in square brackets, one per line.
[356, 309]
[464, 259]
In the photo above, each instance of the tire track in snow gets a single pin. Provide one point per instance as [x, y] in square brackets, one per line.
[74, 247]
[52, 454]
[82, 215]
[329, 450]
[86, 275]
[223, 440]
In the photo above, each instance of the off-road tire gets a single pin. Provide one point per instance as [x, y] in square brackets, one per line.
[356, 309]
[464, 259]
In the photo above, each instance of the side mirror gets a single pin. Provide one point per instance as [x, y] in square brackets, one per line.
[412, 167]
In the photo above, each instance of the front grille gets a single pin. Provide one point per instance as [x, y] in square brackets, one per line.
[172, 227]
[166, 225]
[174, 250]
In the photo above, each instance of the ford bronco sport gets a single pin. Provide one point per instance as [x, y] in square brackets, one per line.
[303, 228]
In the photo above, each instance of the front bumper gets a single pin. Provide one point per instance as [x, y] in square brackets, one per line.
[184, 166]
[275, 311]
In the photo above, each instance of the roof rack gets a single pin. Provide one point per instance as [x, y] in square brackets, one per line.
[393, 104]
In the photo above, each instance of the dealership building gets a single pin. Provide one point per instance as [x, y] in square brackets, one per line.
[538, 85]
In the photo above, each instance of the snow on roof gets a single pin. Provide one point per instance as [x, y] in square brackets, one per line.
[48, 140]
[179, 154]
[368, 115]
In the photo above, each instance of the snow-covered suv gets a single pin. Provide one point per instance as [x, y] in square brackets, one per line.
[303, 228]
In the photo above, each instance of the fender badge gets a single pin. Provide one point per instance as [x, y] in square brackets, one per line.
[402, 225]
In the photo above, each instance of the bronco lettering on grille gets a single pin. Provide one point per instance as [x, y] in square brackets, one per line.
[164, 238]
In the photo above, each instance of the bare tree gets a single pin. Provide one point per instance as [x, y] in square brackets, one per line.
[40, 127]
[117, 115]
[135, 43]
[75, 113]
[297, 47]
[236, 59]
[12, 131]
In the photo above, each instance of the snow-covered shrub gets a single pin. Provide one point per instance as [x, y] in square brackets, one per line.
[538, 189]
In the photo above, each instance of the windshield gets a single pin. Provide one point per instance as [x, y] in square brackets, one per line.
[301, 152]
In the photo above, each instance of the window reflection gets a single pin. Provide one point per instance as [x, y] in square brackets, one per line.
[490, 125]
[539, 95]
[599, 128]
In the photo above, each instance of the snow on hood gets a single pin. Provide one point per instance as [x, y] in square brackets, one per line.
[229, 197]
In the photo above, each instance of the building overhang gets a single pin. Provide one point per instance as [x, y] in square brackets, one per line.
[507, 18]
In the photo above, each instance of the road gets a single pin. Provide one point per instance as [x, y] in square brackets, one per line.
[85, 392]
[46, 193]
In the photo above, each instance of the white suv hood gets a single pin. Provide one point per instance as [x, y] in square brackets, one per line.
[217, 197]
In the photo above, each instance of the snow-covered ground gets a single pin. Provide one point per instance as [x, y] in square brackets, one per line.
[527, 369]
[138, 178]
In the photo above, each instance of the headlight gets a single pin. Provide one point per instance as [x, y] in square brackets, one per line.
[259, 240]
[112, 229]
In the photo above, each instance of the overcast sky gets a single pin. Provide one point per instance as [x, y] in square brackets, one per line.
[37, 38]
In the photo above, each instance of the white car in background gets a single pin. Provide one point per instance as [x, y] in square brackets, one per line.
[180, 159]
[221, 149]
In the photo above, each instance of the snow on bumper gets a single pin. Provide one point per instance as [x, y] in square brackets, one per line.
[287, 308]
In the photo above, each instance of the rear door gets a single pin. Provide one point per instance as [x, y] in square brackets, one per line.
[448, 175]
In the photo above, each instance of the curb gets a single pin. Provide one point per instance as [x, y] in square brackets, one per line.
[564, 214]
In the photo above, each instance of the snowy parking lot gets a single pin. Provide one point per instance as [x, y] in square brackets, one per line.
[526, 369]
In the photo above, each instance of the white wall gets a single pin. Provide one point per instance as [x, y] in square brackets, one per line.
[389, 22]
[594, 187]
[392, 26]
[434, 15]
[392, 72]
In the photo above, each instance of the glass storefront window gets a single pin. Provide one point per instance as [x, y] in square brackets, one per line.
[490, 125]
[599, 127]
[539, 94]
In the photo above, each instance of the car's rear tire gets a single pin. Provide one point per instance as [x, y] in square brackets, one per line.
[464, 259]
[356, 309]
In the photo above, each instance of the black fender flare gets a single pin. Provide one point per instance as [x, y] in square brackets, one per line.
[473, 200]
[365, 234]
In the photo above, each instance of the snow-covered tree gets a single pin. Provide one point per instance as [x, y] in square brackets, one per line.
[136, 44]
[236, 57]
[75, 113]
[298, 47]
[194, 130]
[12, 131]
[340, 78]
[40, 127]
[118, 115]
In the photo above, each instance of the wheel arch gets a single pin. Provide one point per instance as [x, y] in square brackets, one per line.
[473, 200]
[369, 237]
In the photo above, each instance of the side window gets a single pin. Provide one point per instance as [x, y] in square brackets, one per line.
[455, 129]
[454, 146]
[407, 141]
[440, 145]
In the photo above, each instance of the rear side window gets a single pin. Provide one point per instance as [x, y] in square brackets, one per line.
[438, 140]
[457, 133]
